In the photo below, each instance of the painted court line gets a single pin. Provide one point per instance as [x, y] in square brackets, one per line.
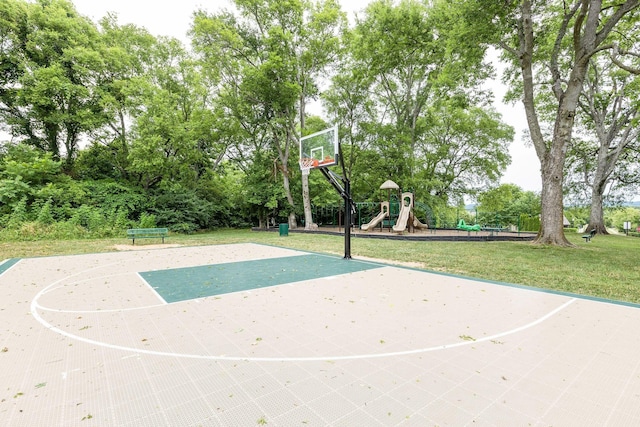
[217, 279]
[148, 285]
[163, 302]
[36, 315]
[7, 264]
[113, 310]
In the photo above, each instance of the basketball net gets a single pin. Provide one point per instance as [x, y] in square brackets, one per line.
[305, 165]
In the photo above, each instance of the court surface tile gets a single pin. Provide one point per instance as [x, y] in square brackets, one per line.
[90, 340]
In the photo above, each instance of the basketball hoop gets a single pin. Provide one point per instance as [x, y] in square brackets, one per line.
[306, 164]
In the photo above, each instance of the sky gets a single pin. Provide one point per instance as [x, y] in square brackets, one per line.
[173, 18]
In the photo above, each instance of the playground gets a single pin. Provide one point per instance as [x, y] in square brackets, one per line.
[399, 221]
[400, 214]
[248, 334]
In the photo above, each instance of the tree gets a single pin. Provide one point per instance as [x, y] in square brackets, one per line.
[48, 97]
[464, 150]
[403, 76]
[175, 132]
[508, 203]
[127, 53]
[617, 218]
[267, 59]
[397, 48]
[318, 47]
[609, 133]
[551, 45]
[349, 104]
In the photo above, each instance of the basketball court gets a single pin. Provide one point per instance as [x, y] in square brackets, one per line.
[250, 335]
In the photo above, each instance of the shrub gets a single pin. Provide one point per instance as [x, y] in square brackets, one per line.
[529, 222]
[45, 216]
[33, 230]
[19, 214]
[88, 217]
[147, 221]
[182, 210]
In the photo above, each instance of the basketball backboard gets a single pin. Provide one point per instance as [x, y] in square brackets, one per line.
[320, 149]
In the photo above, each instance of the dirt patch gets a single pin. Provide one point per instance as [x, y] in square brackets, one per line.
[143, 247]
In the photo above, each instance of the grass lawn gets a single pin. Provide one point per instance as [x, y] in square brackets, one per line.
[607, 267]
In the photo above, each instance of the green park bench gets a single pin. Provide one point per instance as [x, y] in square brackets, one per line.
[147, 233]
[587, 237]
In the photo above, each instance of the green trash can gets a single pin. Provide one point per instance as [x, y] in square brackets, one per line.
[284, 229]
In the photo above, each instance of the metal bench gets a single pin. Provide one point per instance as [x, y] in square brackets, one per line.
[147, 233]
[587, 237]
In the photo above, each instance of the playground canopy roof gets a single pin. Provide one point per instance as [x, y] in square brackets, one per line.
[389, 185]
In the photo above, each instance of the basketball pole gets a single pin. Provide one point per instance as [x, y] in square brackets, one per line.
[345, 192]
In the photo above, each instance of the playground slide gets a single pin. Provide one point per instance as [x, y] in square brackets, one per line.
[405, 210]
[375, 221]
[419, 225]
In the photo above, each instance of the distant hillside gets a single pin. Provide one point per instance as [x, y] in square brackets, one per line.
[634, 204]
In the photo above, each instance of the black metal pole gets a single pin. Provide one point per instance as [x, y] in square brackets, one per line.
[347, 218]
[344, 191]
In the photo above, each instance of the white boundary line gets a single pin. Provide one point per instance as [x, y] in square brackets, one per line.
[162, 300]
[43, 322]
[35, 306]
[112, 310]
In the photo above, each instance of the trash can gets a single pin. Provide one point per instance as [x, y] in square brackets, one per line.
[284, 229]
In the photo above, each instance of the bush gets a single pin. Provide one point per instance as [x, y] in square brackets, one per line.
[19, 215]
[529, 222]
[182, 210]
[88, 217]
[113, 196]
[119, 220]
[147, 221]
[183, 227]
[45, 216]
[33, 230]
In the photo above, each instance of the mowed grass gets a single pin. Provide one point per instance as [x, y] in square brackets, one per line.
[607, 267]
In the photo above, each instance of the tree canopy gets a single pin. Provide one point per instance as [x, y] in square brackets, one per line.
[550, 46]
[108, 125]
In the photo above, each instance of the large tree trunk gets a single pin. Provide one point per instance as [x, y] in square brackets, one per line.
[293, 223]
[287, 191]
[596, 218]
[604, 168]
[552, 212]
[306, 201]
[283, 156]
